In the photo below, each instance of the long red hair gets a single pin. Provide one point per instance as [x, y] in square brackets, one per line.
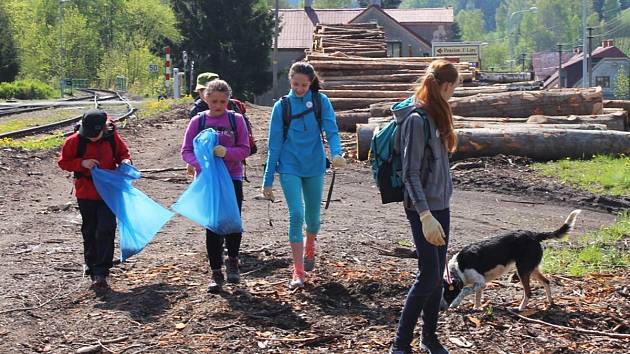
[428, 95]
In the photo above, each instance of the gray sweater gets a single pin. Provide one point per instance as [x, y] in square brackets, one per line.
[420, 165]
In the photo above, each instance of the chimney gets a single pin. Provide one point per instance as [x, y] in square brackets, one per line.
[308, 4]
[375, 3]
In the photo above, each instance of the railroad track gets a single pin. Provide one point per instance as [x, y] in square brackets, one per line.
[118, 111]
[25, 108]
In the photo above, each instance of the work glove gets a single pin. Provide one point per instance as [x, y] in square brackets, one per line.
[432, 230]
[338, 162]
[220, 151]
[268, 193]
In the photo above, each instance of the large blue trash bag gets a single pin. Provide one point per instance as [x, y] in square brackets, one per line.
[139, 217]
[210, 199]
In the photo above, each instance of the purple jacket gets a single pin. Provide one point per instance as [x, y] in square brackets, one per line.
[237, 151]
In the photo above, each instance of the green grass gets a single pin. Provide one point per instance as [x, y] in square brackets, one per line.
[34, 119]
[152, 107]
[602, 175]
[46, 143]
[601, 251]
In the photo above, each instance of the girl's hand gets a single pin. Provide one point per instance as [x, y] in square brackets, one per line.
[338, 162]
[268, 193]
[220, 151]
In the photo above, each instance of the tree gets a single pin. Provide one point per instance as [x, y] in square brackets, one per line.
[472, 24]
[231, 38]
[386, 4]
[610, 9]
[8, 53]
[621, 86]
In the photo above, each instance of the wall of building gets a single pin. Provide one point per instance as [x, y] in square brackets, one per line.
[606, 73]
[286, 57]
[395, 32]
[432, 32]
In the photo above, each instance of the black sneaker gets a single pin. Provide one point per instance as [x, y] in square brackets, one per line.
[432, 346]
[394, 350]
[216, 284]
[231, 268]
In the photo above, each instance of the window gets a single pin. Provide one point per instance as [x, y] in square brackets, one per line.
[394, 49]
[603, 81]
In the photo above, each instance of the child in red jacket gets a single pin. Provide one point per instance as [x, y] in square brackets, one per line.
[96, 143]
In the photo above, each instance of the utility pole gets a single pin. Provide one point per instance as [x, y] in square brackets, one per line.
[62, 75]
[584, 39]
[559, 65]
[275, 53]
[590, 59]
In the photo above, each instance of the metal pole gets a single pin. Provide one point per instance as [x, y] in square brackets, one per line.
[61, 51]
[275, 53]
[523, 56]
[590, 59]
[584, 43]
[560, 65]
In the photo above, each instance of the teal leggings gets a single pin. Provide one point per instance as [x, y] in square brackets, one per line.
[300, 210]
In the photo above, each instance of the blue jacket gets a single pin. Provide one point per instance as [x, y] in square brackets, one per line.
[302, 153]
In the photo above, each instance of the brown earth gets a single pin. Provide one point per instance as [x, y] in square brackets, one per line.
[158, 302]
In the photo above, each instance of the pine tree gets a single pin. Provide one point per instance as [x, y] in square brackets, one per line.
[9, 66]
[386, 4]
[230, 38]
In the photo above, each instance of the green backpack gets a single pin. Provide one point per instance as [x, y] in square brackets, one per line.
[386, 161]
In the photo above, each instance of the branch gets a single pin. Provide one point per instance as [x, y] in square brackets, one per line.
[568, 329]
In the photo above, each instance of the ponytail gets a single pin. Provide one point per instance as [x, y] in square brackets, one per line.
[304, 68]
[428, 94]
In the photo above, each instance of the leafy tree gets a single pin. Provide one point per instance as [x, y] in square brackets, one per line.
[231, 38]
[621, 86]
[457, 32]
[610, 9]
[472, 24]
[386, 4]
[9, 65]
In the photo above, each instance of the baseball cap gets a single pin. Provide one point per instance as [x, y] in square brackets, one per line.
[204, 78]
[92, 123]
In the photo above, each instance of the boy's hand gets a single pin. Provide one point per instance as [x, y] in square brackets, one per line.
[89, 163]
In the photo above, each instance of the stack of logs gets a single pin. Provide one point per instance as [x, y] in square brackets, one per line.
[543, 125]
[351, 60]
[362, 39]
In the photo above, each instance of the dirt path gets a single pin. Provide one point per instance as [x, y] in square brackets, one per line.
[351, 303]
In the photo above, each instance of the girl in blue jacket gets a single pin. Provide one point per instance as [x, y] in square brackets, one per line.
[296, 152]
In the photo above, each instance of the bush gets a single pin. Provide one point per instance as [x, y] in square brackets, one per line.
[25, 90]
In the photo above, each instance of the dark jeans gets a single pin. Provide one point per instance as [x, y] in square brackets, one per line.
[98, 230]
[426, 292]
[214, 242]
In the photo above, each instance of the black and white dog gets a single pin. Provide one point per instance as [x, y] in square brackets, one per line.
[486, 260]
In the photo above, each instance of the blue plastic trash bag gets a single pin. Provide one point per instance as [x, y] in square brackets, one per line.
[210, 199]
[139, 217]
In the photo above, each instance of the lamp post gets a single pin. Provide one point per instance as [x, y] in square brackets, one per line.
[533, 9]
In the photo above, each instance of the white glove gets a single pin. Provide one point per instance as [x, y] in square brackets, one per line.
[338, 162]
[432, 230]
[268, 193]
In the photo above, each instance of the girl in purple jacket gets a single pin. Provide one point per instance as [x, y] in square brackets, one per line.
[233, 147]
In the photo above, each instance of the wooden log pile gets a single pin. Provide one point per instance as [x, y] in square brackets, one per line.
[352, 61]
[543, 125]
[363, 39]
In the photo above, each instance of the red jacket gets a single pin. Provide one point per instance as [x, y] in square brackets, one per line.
[100, 150]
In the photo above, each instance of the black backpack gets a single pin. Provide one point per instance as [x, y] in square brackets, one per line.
[288, 116]
[108, 135]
